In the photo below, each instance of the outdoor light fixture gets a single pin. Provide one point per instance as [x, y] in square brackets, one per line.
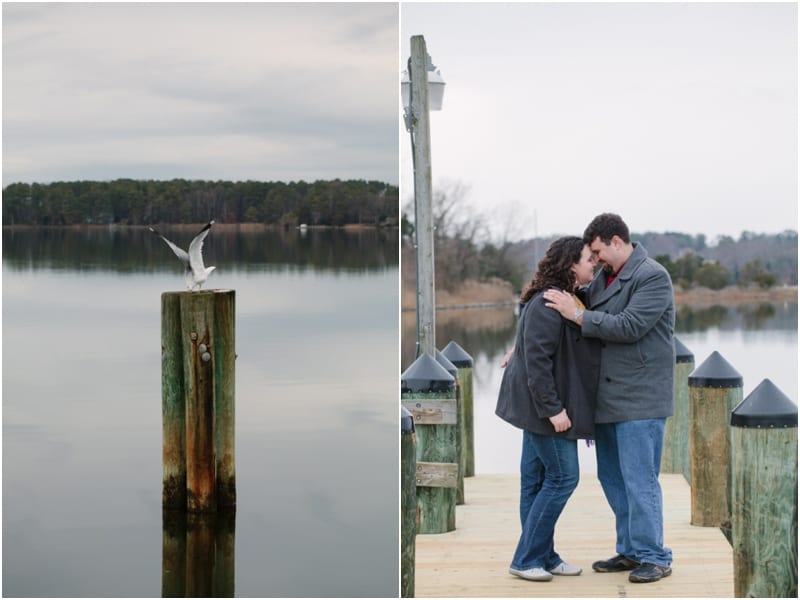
[435, 89]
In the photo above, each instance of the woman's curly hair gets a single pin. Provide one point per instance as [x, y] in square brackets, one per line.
[555, 269]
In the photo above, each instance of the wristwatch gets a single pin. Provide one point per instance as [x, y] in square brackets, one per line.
[578, 313]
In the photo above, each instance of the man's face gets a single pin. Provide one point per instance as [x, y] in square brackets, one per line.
[604, 254]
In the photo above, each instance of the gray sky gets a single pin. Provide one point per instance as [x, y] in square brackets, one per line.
[679, 117]
[200, 91]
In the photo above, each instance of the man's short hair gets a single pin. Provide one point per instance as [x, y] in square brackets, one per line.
[605, 227]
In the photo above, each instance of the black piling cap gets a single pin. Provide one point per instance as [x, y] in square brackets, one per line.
[715, 372]
[682, 353]
[406, 421]
[458, 356]
[426, 375]
[765, 407]
[448, 366]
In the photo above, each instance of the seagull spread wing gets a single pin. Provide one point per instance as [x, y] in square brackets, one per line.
[179, 252]
[196, 272]
[195, 256]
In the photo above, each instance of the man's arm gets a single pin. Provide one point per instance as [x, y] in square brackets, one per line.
[652, 296]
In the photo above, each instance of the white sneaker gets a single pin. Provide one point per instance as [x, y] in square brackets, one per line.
[534, 574]
[565, 569]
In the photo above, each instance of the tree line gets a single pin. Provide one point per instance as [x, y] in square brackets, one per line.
[464, 251]
[144, 202]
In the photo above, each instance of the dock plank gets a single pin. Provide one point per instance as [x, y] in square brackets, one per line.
[473, 560]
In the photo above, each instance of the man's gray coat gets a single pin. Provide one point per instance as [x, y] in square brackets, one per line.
[635, 319]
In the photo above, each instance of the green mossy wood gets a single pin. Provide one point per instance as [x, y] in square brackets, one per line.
[435, 416]
[198, 374]
[675, 458]
[408, 488]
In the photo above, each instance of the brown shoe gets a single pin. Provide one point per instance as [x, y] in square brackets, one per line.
[614, 565]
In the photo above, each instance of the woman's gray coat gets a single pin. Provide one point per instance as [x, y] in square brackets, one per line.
[553, 367]
[635, 319]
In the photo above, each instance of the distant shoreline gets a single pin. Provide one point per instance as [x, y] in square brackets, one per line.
[498, 295]
[226, 226]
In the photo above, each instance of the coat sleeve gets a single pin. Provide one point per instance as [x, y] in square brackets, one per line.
[541, 337]
[648, 301]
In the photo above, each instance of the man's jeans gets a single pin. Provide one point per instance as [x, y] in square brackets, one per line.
[549, 475]
[628, 463]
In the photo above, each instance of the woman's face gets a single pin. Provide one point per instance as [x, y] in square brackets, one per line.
[584, 268]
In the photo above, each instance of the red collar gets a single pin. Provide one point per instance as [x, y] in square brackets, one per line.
[610, 278]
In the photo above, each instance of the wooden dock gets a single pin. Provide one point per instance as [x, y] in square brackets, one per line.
[473, 560]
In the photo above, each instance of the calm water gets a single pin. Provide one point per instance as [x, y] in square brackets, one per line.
[316, 408]
[759, 341]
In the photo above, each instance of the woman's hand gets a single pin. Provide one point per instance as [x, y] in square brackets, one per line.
[506, 359]
[561, 421]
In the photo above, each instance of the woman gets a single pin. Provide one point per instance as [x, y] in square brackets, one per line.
[548, 391]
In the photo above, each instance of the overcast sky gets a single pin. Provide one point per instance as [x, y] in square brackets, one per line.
[680, 117]
[200, 91]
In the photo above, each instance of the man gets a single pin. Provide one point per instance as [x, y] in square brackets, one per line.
[632, 311]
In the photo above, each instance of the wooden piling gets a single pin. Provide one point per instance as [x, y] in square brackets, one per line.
[224, 398]
[198, 365]
[173, 406]
[461, 459]
[464, 363]
[764, 494]
[428, 393]
[408, 501]
[715, 388]
[675, 457]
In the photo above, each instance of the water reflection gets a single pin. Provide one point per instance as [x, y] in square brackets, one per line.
[493, 330]
[82, 418]
[755, 316]
[197, 555]
[137, 250]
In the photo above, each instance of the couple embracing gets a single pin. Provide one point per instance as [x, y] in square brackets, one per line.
[596, 363]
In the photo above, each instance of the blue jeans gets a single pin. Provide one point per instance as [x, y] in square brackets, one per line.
[549, 475]
[628, 463]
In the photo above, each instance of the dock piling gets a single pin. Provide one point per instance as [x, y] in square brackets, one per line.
[198, 364]
[408, 501]
[466, 418]
[675, 458]
[428, 393]
[715, 388]
[764, 494]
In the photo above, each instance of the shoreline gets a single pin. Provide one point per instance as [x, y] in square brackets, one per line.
[193, 226]
[494, 295]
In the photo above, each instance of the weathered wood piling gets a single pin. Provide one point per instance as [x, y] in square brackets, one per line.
[764, 494]
[675, 457]
[715, 388]
[428, 393]
[464, 394]
[408, 502]
[453, 371]
[197, 376]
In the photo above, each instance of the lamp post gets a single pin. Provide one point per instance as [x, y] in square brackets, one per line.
[422, 91]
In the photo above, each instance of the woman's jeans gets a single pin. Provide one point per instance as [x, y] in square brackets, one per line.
[549, 475]
[628, 463]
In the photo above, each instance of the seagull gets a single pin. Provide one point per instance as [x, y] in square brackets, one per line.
[196, 271]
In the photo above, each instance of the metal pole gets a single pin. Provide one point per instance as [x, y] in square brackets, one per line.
[423, 195]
